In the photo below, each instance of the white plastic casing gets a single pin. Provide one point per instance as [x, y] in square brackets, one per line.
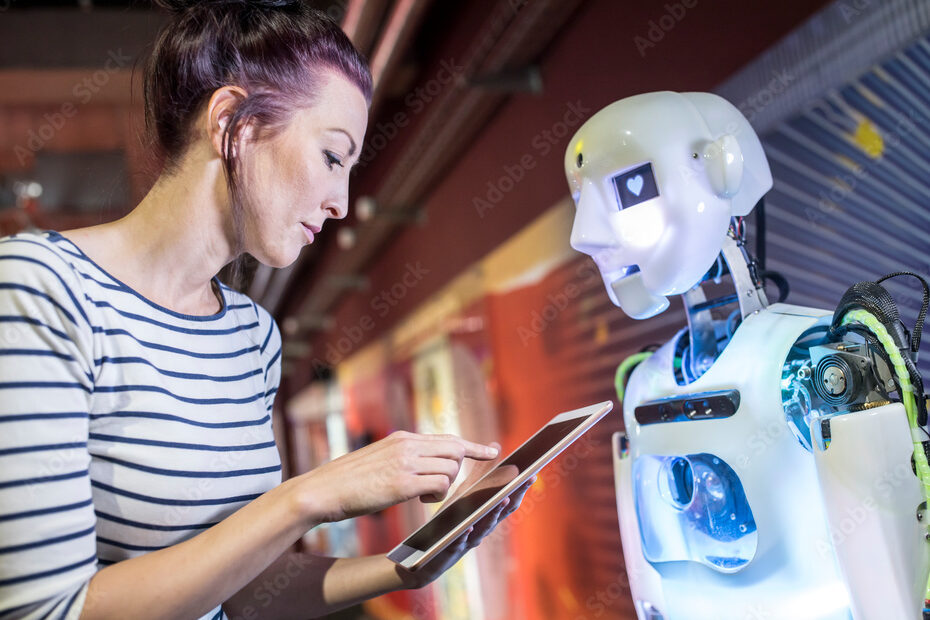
[794, 573]
[871, 496]
[708, 165]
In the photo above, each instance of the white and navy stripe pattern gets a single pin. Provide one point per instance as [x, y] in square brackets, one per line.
[125, 427]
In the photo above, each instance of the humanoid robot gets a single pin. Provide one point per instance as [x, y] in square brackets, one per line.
[774, 461]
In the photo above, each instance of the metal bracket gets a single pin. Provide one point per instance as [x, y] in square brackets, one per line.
[750, 295]
[749, 291]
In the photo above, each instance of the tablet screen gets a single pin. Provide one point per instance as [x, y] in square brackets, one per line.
[507, 470]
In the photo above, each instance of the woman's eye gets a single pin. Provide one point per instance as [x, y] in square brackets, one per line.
[331, 160]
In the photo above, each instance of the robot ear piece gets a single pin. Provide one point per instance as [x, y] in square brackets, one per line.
[723, 160]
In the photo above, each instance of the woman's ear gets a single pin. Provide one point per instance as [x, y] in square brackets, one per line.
[220, 109]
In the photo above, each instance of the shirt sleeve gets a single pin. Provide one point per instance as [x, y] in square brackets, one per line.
[272, 360]
[47, 522]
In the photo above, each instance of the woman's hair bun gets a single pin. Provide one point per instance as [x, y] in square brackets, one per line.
[181, 6]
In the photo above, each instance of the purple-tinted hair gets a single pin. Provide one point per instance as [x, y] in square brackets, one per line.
[276, 50]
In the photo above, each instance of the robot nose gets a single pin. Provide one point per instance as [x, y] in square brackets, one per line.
[591, 231]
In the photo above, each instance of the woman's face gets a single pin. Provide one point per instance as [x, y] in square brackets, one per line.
[299, 178]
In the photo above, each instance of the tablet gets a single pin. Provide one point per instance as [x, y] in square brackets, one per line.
[520, 465]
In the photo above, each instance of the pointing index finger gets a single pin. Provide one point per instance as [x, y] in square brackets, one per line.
[477, 451]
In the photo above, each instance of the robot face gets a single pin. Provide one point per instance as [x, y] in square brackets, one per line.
[654, 189]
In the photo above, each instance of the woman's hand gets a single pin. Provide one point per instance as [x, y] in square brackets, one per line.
[449, 556]
[397, 468]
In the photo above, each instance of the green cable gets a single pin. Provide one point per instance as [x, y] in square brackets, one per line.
[624, 368]
[907, 397]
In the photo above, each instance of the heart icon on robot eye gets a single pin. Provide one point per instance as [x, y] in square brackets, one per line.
[635, 184]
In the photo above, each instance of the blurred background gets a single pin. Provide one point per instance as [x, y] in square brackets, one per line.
[449, 299]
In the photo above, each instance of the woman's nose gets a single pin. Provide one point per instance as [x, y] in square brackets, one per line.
[336, 209]
[336, 204]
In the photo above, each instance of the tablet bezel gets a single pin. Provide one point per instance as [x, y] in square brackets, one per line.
[412, 559]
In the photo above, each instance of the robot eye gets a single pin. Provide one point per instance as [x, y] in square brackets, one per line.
[635, 185]
[580, 160]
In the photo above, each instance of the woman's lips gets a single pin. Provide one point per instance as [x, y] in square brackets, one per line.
[308, 230]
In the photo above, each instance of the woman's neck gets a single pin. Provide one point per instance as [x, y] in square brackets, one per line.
[172, 244]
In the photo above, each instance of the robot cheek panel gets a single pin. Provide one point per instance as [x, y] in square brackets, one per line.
[620, 239]
[608, 234]
[688, 247]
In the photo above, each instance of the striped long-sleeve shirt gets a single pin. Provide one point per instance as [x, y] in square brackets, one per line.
[125, 427]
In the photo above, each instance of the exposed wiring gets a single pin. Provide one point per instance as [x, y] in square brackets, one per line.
[875, 299]
[919, 325]
[732, 323]
[625, 367]
[780, 281]
[719, 273]
[738, 228]
[806, 340]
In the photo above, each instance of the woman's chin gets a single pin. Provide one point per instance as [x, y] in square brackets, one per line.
[279, 257]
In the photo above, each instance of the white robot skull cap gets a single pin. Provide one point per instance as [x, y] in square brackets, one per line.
[655, 179]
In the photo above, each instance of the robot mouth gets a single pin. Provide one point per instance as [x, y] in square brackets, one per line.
[629, 292]
[623, 272]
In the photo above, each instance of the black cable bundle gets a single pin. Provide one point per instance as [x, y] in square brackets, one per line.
[919, 325]
[764, 274]
[875, 299]
[760, 233]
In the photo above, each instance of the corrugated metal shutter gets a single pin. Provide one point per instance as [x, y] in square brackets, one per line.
[851, 200]
[835, 46]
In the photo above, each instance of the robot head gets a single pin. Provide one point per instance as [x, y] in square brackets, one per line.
[655, 179]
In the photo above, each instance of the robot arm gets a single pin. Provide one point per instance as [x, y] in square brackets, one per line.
[853, 382]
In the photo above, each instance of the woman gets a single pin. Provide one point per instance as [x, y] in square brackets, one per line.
[138, 472]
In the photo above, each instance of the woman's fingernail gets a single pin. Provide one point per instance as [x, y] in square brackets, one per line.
[491, 451]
